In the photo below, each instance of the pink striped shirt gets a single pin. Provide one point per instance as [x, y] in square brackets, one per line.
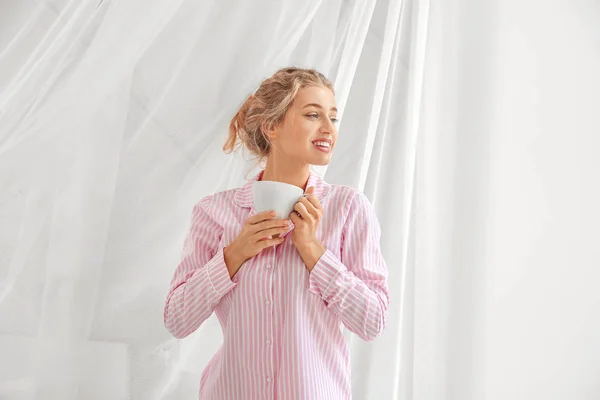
[282, 326]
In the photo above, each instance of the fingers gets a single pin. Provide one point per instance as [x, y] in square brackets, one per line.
[263, 226]
[301, 209]
[296, 214]
[265, 215]
[270, 232]
[312, 204]
[271, 242]
[295, 217]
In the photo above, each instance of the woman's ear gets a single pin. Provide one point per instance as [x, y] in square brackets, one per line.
[270, 132]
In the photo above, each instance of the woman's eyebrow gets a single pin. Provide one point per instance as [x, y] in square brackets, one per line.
[318, 106]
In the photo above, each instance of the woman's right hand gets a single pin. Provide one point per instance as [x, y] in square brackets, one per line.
[253, 238]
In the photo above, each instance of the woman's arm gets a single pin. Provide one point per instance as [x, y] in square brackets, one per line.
[201, 279]
[355, 287]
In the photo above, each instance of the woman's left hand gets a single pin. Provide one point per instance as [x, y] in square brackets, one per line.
[304, 234]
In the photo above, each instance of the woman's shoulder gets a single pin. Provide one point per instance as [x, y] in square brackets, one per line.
[352, 202]
[217, 198]
[343, 195]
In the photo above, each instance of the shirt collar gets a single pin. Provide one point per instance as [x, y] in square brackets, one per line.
[244, 198]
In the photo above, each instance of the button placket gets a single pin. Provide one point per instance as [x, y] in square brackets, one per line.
[269, 303]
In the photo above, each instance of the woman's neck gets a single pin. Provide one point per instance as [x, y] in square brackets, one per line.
[296, 177]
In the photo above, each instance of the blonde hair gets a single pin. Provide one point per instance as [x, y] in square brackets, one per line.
[267, 107]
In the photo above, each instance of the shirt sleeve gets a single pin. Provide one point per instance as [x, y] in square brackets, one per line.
[355, 287]
[201, 279]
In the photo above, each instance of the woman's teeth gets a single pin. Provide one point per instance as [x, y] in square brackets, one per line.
[324, 147]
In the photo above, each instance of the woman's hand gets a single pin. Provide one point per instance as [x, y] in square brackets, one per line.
[306, 217]
[253, 238]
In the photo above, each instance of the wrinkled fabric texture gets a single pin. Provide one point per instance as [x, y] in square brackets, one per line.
[282, 326]
[471, 127]
[113, 115]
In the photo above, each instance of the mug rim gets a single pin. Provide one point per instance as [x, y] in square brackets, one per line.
[278, 183]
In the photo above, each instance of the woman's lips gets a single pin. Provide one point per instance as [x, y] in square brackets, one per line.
[323, 149]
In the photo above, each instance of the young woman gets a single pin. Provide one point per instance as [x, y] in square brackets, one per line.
[282, 289]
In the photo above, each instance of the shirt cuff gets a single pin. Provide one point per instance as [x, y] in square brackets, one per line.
[217, 275]
[324, 274]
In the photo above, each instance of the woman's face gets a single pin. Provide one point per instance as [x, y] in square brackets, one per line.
[311, 118]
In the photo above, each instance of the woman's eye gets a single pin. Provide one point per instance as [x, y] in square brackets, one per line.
[334, 120]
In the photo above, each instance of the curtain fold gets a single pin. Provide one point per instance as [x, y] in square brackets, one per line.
[112, 119]
[470, 125]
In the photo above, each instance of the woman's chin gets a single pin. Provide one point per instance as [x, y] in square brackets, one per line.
[321, 161]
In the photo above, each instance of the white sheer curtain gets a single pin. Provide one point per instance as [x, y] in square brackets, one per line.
[507, 194]
[112, 118]
[472, 126]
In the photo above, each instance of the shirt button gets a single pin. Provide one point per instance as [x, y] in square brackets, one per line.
[268, 341]
[268, 266]
[269, 380]
[268, 302]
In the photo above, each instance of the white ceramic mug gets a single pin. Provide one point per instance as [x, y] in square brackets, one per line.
[277, 196]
